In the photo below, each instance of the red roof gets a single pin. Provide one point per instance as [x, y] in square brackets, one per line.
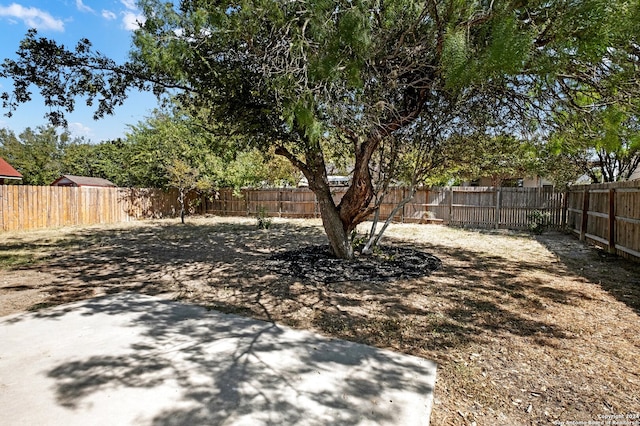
[8, 172]
[71, 180]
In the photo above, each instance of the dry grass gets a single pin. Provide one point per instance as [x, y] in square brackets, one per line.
[525, 330]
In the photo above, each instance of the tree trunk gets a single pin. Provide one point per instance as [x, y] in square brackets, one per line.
[354, 206]
[333, 226]
[374, 239]
[338, 221]
[181, 201]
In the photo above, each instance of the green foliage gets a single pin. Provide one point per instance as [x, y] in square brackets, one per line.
[602, 143]
[43, 155]
[110, 160]
[498, 157]
[538, 221]
[263, 221]
[183, 176]
[169, 136]
[37, 154]
[358, 240]
[455, 55]
[163, 151]
[294, 72]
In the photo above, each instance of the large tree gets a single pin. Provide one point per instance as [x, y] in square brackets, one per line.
[602, 144]
[169, 137]
[313, 78]
[499, 157]
[37, 153]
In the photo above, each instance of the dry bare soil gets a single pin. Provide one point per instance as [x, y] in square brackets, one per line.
[525, 330]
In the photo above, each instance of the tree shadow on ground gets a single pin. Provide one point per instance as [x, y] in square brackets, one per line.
[225, 369]
[154, 259]
[481, 300]
[473, 296]
[596, 266]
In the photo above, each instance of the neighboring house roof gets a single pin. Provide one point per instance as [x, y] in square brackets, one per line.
[71, 180]
[7, 171]
[636, 174]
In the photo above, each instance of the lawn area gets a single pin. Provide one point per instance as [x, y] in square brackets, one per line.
[525, 330]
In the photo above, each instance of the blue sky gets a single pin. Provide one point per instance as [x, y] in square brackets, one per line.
[108, 24]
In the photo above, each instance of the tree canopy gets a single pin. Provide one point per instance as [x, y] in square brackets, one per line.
[602, 144]
[162, 151]
[38, 154]
[309, 79]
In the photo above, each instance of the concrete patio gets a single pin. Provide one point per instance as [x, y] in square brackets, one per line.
[140, 360]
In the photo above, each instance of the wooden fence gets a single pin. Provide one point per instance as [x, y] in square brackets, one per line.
[478, 207]
[25, 207]
[607, 215]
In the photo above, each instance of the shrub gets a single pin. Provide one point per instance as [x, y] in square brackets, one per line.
[538, 221]
[263, 219]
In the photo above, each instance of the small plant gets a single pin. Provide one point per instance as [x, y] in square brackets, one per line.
[538, 221]
[262, 216]
[357, 240]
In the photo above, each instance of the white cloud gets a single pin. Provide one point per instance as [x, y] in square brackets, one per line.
[132, 21]
[32, 17]
[83, 8]
[129, 4]
[108, 15]
[80, 130]
[131, 18]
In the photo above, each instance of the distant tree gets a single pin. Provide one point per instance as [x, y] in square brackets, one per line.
[78, 158]
[184, 178]
[169, 135]
[603, 144]
[37, 154]
[254, 168]
[499, 157]
[111, 161]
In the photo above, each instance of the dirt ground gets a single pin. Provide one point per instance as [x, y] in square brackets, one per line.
[525, 330]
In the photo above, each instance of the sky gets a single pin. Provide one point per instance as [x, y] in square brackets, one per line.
[108, 24]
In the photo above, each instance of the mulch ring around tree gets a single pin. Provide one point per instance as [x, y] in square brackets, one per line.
[317, 264]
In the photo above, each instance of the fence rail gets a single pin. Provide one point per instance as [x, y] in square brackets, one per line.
[606, 214]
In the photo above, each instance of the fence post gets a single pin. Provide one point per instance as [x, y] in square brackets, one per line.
[404, 194]
[612, 220]
[585, 215]
[565, 209]
[426, 199]
[450, 204]
[224, 205]
[497, 212]
[3, 191]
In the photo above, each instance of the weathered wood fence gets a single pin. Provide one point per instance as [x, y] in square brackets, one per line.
[479, 207]
[24, 207]
[607, 215]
